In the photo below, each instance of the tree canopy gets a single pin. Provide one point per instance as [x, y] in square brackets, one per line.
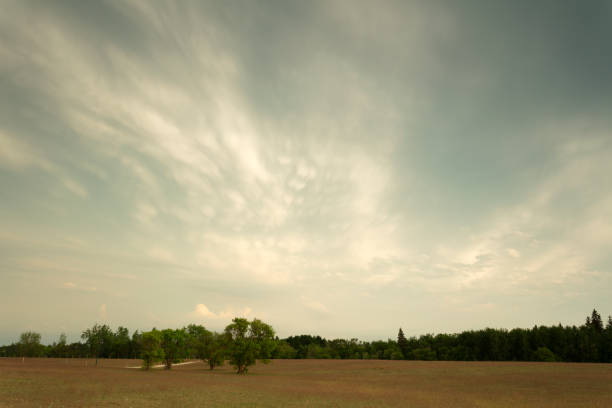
[248, 341]
[244, 342]
[99, 338]
[151, 348]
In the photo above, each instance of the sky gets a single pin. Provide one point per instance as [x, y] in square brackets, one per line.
[340, 168]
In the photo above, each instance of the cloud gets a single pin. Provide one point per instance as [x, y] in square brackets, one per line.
[74, 286]
[202, 311]
[161, 254]
[344, 160]
[102, 314]
[145, 213]
[513, 252]
[75, 188]
[17, 154]
[314, 305]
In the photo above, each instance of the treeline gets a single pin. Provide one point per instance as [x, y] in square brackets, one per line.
[117, 344]
[242, 342]
[590, 342]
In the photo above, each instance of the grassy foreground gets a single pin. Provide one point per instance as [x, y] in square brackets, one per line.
[305, 383]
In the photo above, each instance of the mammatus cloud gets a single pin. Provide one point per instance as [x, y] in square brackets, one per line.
[386, 158]
[513, 252]
[16, 155]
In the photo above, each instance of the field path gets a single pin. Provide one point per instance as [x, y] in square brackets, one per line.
[163, 365]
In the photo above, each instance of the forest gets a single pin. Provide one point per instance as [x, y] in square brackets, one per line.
[589, 342]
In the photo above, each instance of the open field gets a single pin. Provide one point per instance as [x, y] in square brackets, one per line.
[306, 383]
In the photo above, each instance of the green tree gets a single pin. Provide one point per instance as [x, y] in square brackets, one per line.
[247, 341]
[173, 345]
[150, 348]
[595, 322]
[284, 350]
[121, 343]
[196, 336]
[206, 345]
[135, 345]
[214, 351]
[607, 342]
[402, 342]
[392, 351]
[29, 344]
[60, 348]
[544, 354]
[316, 351]
[98, 338]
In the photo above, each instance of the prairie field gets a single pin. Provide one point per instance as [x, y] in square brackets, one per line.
[48, 382]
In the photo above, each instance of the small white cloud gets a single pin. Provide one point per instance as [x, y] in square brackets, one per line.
[160, 254]
[305, 171]
[314, 305]
[127, 276]
[201, 310]
[102, 312]
[237, 200]
[74, 286]
[208, 211]
[75, 188]
[17, 154]
[145, 213]
[297, 184]
[381, 278]
[513, 253]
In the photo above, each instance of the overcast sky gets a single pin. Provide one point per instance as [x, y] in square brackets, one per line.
[340, 168]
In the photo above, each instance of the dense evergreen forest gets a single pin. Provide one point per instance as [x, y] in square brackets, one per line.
[590, 342]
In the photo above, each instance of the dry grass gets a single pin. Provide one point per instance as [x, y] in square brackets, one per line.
[306, 383]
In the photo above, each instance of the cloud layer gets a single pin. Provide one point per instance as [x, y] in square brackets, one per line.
[335, 168]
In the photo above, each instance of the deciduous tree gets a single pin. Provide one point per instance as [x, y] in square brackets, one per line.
[247, 342]
[173, 345]
[150, 347]
[98, 338]
[29, 344]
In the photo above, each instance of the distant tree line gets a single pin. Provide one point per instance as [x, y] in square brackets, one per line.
[590, 342]
[243, 342]
[107, 344]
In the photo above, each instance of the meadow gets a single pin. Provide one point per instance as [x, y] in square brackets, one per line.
[48, 382]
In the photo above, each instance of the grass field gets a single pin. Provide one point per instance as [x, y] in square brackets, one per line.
[305, 383]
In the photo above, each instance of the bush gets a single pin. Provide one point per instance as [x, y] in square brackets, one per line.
[544, 354]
